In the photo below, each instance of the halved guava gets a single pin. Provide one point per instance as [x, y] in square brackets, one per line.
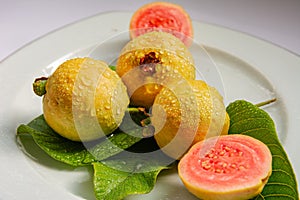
[226, 167]
[162, 16]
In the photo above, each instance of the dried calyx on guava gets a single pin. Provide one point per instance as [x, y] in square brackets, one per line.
[162, 16]
[83, 99]
[146, 61]
[186, 112]
[227, 167]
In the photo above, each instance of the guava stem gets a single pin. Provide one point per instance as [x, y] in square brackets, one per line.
[144, 122]
[137, 110]
[112, 67]
[264, 103]
[39, 86]
[133, 110]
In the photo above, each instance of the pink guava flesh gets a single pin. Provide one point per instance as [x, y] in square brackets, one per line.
[233, 166]
[162, 16]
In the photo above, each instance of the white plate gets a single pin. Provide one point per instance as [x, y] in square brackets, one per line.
[250, 68]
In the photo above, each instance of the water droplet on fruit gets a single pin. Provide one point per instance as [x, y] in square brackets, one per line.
[118, 111]
[107, 107]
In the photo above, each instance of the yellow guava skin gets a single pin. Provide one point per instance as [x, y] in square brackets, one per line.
[211, 181]
[80, 92]
[144, 80]
[187, 113]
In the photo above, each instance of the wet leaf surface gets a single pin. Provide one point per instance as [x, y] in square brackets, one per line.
[248, 119]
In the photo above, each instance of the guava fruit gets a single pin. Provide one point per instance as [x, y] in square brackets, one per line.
[226, 167]
[185, 113]
[145, 61]
[84, 89]
[162, 16]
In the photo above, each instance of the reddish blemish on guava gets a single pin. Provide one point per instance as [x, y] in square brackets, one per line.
[148, 63]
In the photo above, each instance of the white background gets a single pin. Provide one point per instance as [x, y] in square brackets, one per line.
[277, 21]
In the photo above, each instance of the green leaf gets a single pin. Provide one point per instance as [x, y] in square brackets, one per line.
[64, 150]
[248, 119]
[120, 173]
[117, 178]
[77, 153]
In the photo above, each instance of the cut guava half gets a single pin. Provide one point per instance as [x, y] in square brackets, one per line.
[162, 16]
[226, 167]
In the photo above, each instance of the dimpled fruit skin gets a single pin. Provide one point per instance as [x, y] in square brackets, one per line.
[162, 16]
[172, 54]
[184, 116]
[110, 100]
[233, 167]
